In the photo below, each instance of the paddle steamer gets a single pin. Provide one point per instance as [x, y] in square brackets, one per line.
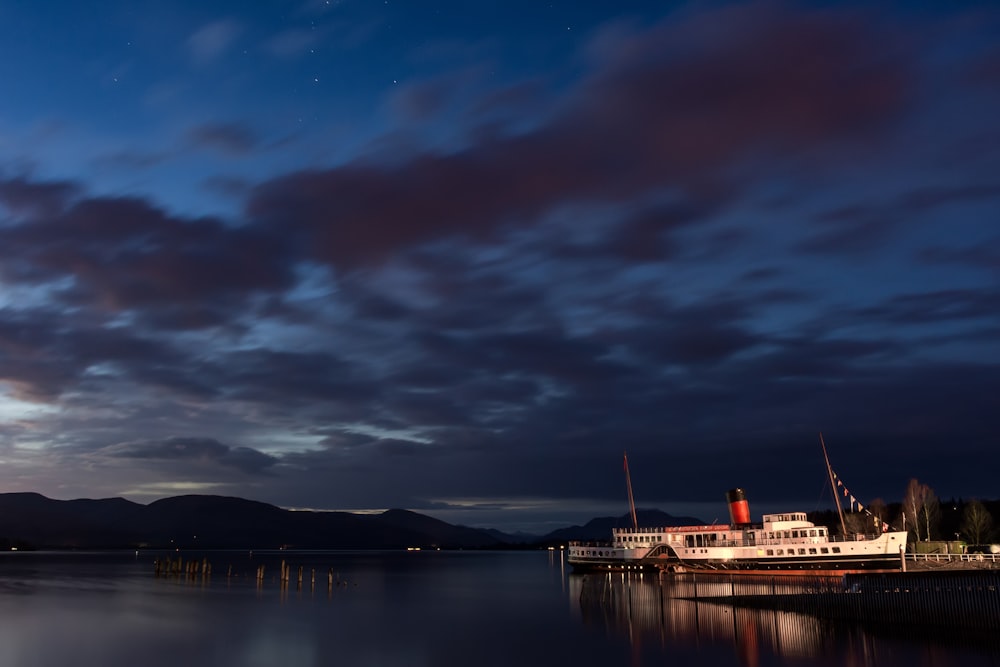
[783, 541]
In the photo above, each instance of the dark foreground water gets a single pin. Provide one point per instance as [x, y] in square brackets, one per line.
[413, 608]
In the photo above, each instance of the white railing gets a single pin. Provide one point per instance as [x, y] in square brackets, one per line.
[951, 558]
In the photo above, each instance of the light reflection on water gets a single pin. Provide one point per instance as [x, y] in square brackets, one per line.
[672, 616]
[399, 608]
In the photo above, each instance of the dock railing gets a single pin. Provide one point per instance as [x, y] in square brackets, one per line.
[987, 560]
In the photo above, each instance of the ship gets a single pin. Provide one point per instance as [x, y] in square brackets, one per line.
[785, 541]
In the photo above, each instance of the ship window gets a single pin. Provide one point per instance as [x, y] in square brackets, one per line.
[812, 533]
[781, 552]
[836, 550]
[770, 552]
[812, 550]
[824, 550]
[795, 533]
[802, 552]
[822, 532]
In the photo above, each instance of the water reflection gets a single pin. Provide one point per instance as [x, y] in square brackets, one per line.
[673, 616]
[427, 608]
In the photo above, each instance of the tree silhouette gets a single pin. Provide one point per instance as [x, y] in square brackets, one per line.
[930, 512]
[977, 523]
[913, 503]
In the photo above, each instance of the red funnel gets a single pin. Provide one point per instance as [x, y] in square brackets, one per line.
[739, 509]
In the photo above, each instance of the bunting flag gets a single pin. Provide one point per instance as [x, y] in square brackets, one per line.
[861, 508]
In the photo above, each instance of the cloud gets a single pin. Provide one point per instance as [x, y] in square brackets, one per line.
[292, 43]
[636, 258]
[45, 352]
[862, 227]
[124, 253]
[24, 197]
[984, 255]
[209, 42]
[235, 139]
[670, 110]
[244, 459]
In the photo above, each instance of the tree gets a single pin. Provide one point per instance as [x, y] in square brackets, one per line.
[977, 523]
[857, 523]
[913, 502]
[879, 513]
[930, 512]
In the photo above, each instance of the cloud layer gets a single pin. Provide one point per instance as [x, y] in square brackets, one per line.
[725, 230]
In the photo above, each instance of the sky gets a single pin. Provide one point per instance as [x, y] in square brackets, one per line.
[458, 257]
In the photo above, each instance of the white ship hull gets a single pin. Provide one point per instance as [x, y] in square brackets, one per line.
[782, 542]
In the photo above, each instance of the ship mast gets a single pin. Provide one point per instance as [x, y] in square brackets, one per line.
[833, 486]
[631, 500]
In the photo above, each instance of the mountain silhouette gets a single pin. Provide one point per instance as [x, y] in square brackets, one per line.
[30, 520]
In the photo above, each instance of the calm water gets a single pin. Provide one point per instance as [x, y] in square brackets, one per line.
[411, 608]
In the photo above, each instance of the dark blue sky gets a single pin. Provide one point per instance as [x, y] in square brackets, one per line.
[457, 257]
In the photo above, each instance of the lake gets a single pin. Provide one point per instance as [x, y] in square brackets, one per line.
[411, 608]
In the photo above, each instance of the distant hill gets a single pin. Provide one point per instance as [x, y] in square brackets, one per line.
[30, 520]
[216, 522]
[515, 538]
[600, 528]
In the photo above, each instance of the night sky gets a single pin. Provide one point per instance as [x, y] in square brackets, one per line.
[457, 257]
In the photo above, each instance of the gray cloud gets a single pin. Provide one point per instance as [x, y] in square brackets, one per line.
[244, 459]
